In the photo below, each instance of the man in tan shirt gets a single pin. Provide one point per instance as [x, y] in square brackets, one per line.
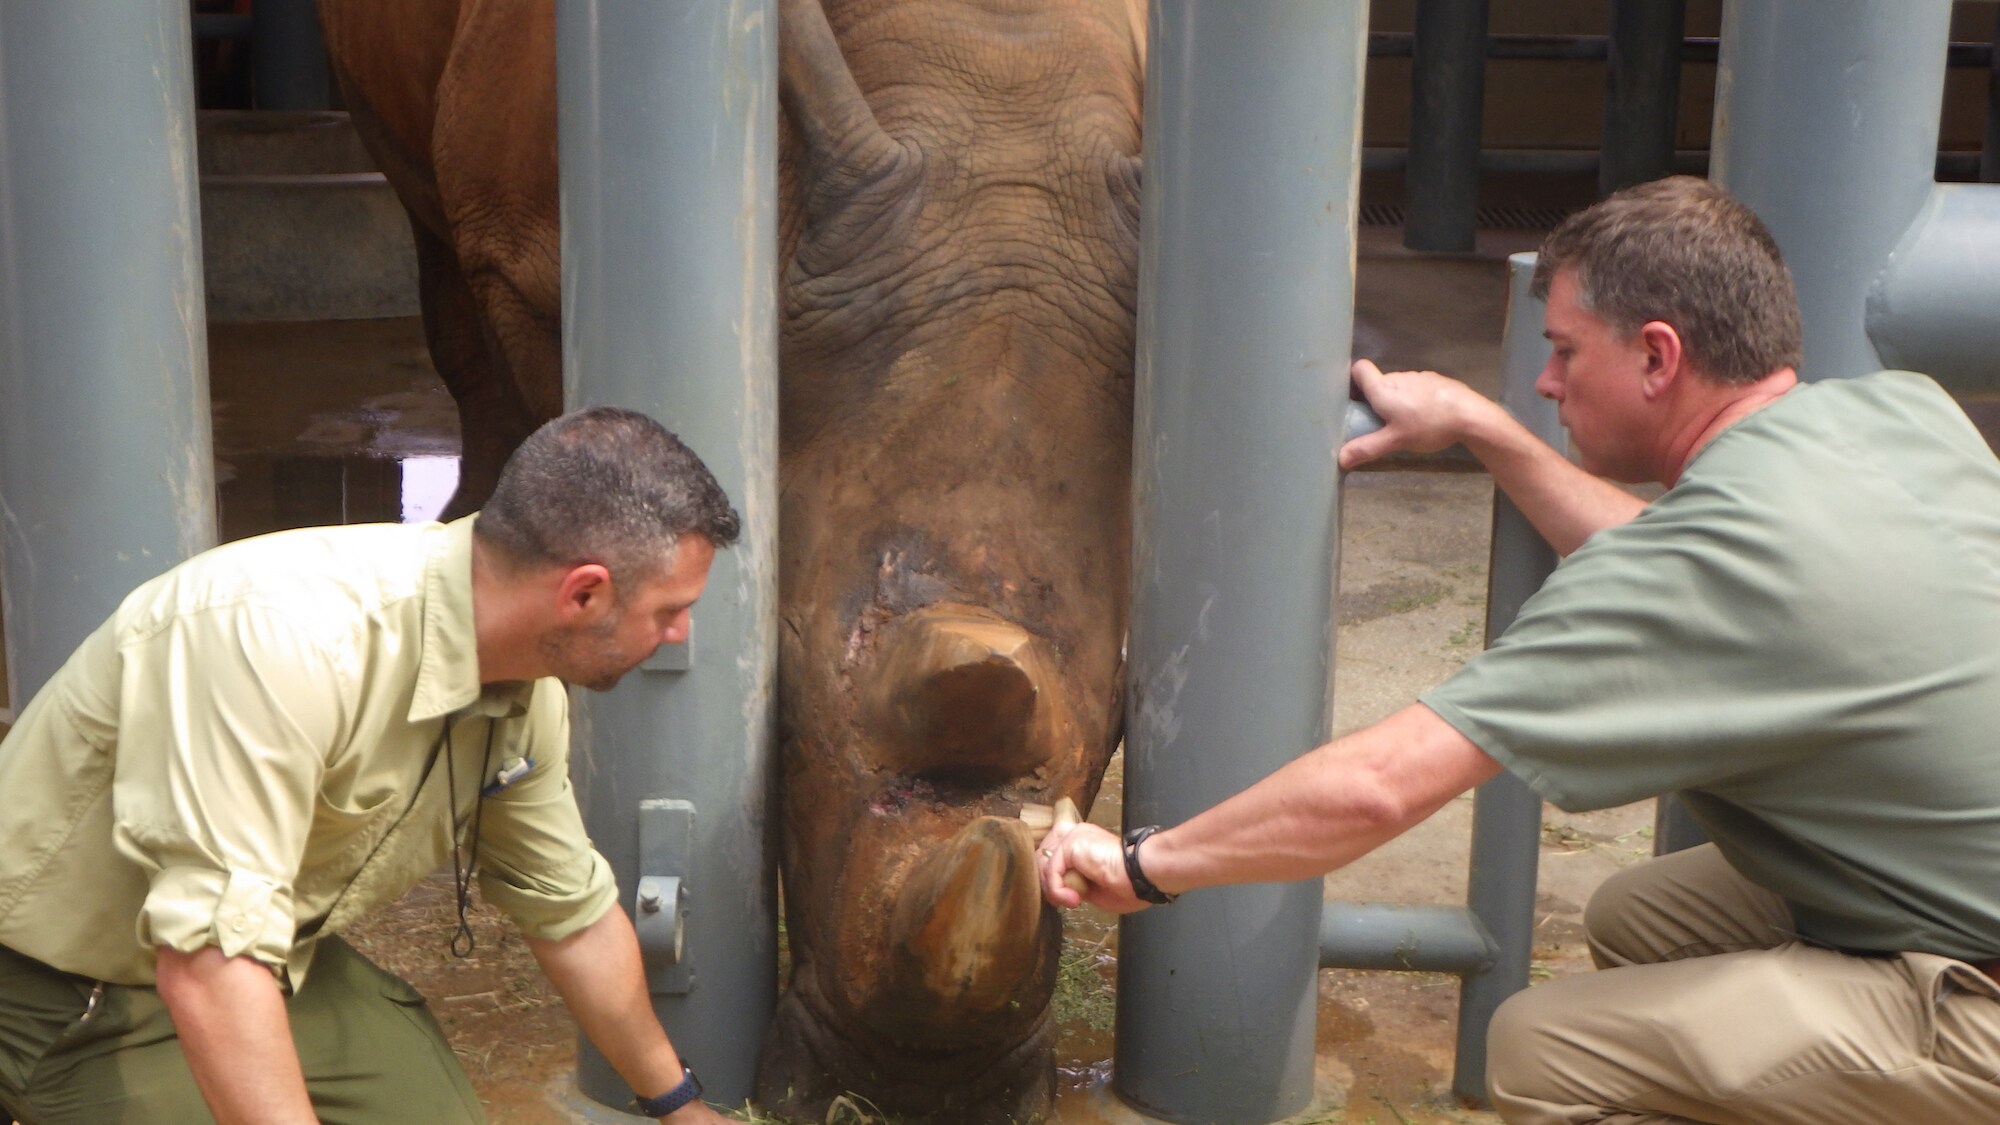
[278, 735]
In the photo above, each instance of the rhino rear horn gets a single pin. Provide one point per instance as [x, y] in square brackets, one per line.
[959, 697]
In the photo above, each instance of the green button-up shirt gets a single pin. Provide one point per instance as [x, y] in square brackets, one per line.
[252, 752]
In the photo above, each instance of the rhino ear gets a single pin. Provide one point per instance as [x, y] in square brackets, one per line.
[846, 146]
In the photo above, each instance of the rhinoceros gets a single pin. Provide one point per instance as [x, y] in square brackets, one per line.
[958, 259]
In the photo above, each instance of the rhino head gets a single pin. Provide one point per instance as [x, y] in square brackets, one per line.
[959, 261]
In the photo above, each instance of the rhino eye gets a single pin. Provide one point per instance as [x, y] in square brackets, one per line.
[1122, 177]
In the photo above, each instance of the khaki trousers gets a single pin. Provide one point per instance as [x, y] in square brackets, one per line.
[1709, 1009]
[371, 1050]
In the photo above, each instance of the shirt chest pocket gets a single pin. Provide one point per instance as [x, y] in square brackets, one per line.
[347, 827]
[403, 841]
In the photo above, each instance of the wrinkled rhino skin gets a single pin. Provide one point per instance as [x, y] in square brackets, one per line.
[958, 255]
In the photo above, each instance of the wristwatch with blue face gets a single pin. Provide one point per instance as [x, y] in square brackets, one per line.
[673, 1099]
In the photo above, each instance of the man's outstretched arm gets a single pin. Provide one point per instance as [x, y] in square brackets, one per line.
[601, 978]
[1425, 412]
[1319, 812]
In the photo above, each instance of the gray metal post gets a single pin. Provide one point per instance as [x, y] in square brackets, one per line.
[1826, 120]
[1989, 152]
[106, 468]
[288, 67]
[668, 118]
[1642, 89]
[1245, 291]
[1506, 814]
[1447, 97]
[1674, 828]
[1893, 268]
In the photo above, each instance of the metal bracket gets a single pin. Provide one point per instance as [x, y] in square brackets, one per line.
[661, 900]
[658, 916]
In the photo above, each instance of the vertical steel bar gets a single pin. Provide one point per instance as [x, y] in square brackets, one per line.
[1447, 96]
[667, 125]
[1642, 90]
[1674, 827]
[1246, 286]
[288, 67]
[106, 467]
[1989, 152]
[1826, 124]
[1506, 813]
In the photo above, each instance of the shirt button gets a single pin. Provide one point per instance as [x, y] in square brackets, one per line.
[236, 924]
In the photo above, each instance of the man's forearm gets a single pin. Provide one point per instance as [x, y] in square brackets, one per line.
[230, 1017]
[1425, 412]
[601, 978]
[1565, 504]
[1324, 810]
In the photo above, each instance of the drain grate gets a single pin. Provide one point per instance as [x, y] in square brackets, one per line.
[1490, 218]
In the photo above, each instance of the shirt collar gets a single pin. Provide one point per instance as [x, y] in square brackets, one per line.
[448, 659]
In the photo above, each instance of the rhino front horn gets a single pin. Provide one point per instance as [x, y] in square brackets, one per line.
[959, 697]
[969, 916]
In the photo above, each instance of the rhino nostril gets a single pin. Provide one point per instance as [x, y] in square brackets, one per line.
[959, 697]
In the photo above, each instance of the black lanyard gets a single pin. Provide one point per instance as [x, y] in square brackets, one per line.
[462, 941]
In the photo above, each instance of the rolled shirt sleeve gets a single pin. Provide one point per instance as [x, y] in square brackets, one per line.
[238, 703]
[536, 862]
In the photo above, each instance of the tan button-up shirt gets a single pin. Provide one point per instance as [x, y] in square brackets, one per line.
[253, 751]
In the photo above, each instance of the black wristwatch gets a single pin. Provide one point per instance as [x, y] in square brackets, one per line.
[673, 1099]
[1142, 886]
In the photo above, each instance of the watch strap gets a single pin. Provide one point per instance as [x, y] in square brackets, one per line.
[1142, 887]
[688, 1090]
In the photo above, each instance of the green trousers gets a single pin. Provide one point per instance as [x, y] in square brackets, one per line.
[371, 1050]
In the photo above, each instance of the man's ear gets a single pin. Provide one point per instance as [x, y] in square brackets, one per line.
[1664, 357]
[584, 594]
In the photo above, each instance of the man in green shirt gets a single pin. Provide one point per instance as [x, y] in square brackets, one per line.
[279, 734]
[1801, 636]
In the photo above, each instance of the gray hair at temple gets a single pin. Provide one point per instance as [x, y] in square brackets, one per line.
[608, 486]
[1682, 251]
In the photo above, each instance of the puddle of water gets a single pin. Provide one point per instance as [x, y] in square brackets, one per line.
[258, 493]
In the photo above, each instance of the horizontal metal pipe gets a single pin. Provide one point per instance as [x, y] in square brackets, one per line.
[1952, 164]
[1418, 939]
[1589, 48]
[1553, 48]
[1931, 309]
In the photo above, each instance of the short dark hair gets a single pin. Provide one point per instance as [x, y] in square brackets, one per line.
[604, 485]
[1682, 251]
